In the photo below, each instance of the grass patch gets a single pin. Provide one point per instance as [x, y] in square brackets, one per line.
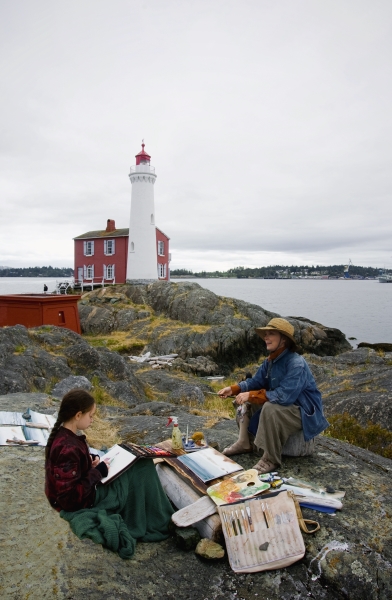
[118, 341]
[215, 408]
[373, 437]
[101, 396]
[101, 433]
[20, 349]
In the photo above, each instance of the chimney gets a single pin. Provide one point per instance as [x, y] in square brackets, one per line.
[111, 225]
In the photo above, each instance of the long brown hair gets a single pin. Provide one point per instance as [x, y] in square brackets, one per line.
[73, 402]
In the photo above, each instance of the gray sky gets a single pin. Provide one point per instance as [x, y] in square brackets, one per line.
[268, 122]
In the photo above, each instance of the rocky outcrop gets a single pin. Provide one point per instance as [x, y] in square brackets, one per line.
[39, 358]
[348, 559]
[358, 382]
[188, 320]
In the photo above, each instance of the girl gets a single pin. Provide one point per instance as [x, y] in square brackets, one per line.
[133, 506]
[281, 399]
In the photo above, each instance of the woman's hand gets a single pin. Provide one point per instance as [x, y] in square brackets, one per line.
[95, 461]
[225, 392]
[242, 398]
[107, 462]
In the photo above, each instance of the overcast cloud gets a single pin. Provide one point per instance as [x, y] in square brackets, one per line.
[268, 121]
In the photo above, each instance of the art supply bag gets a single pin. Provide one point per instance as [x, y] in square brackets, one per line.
[262, 533]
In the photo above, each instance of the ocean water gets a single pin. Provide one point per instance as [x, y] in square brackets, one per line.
[27, 285]
[361, 309]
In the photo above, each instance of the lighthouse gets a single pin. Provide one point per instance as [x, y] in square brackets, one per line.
[142, 247]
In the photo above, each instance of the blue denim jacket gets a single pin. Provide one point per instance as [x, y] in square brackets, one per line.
[288, 380]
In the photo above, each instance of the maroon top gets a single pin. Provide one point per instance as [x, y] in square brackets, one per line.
[70, 478]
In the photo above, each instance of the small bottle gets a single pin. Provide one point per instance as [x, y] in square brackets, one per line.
[176, 434]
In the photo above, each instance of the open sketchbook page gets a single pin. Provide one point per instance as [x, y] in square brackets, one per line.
[121, 459]
[209, 464]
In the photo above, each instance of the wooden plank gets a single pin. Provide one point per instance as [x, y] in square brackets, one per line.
[182, 494]
[199, 510]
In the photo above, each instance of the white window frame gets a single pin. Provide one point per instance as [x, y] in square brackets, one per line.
[161, 248]
[108, 271]
[88, 271]
[161, 271]
[109, 247]
[88, 247]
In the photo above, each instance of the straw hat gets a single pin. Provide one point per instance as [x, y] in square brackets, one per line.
[280, 325]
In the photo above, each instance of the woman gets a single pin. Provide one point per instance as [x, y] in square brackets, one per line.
[286, 392]
[129, 508]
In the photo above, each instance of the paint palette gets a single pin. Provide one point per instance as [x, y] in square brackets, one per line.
[239, 487]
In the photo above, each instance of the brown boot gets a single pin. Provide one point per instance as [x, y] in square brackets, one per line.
[264, 466]
[242, 445]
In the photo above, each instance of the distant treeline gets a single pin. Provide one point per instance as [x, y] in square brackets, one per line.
[282, 271]
[36, 272]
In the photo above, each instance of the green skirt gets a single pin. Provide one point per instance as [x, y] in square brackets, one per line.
[132, 507]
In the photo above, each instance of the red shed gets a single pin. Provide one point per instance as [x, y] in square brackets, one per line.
[101, 256]
[33, 310]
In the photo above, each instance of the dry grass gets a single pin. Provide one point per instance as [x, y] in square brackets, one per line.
[215, 408]
[101, 396]
[102, 433]
[118, 341]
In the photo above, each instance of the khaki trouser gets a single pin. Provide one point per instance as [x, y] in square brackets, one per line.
[276, 424]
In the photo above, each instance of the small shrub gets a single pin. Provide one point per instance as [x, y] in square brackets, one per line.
[373, 437]
[20, 349]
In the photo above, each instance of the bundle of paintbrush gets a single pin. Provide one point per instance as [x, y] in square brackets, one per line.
[146, 451]
[262, 533]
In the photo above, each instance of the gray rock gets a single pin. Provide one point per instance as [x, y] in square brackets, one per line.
[358, 383]
[94, 319]
[186, 538]
[186, 393]
[124, 318]
[201, 365]
[72, 382]
[82, 357]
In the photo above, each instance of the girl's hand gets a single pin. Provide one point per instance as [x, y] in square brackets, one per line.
[242, 398]
[96, 461]
[224, 392]
[107, 462]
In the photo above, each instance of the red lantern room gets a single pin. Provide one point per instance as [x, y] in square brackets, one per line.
[143, 158]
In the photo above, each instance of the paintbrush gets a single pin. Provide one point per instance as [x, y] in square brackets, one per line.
[250, 520]
[239, 522]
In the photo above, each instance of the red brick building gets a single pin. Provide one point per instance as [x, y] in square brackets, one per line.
[101, 256]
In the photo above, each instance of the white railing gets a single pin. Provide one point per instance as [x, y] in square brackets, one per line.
[142, 169]
[90, 282]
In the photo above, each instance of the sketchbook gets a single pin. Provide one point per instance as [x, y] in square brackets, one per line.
[209, 464]
[30, 428]
[123, 456]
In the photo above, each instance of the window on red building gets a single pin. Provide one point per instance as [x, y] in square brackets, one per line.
[109, 247]
[88, 248]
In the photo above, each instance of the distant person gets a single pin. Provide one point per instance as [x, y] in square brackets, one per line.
[131, 507]
[281, 399]
[45, 288]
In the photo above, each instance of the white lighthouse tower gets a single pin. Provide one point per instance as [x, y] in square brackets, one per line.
[142, 246]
